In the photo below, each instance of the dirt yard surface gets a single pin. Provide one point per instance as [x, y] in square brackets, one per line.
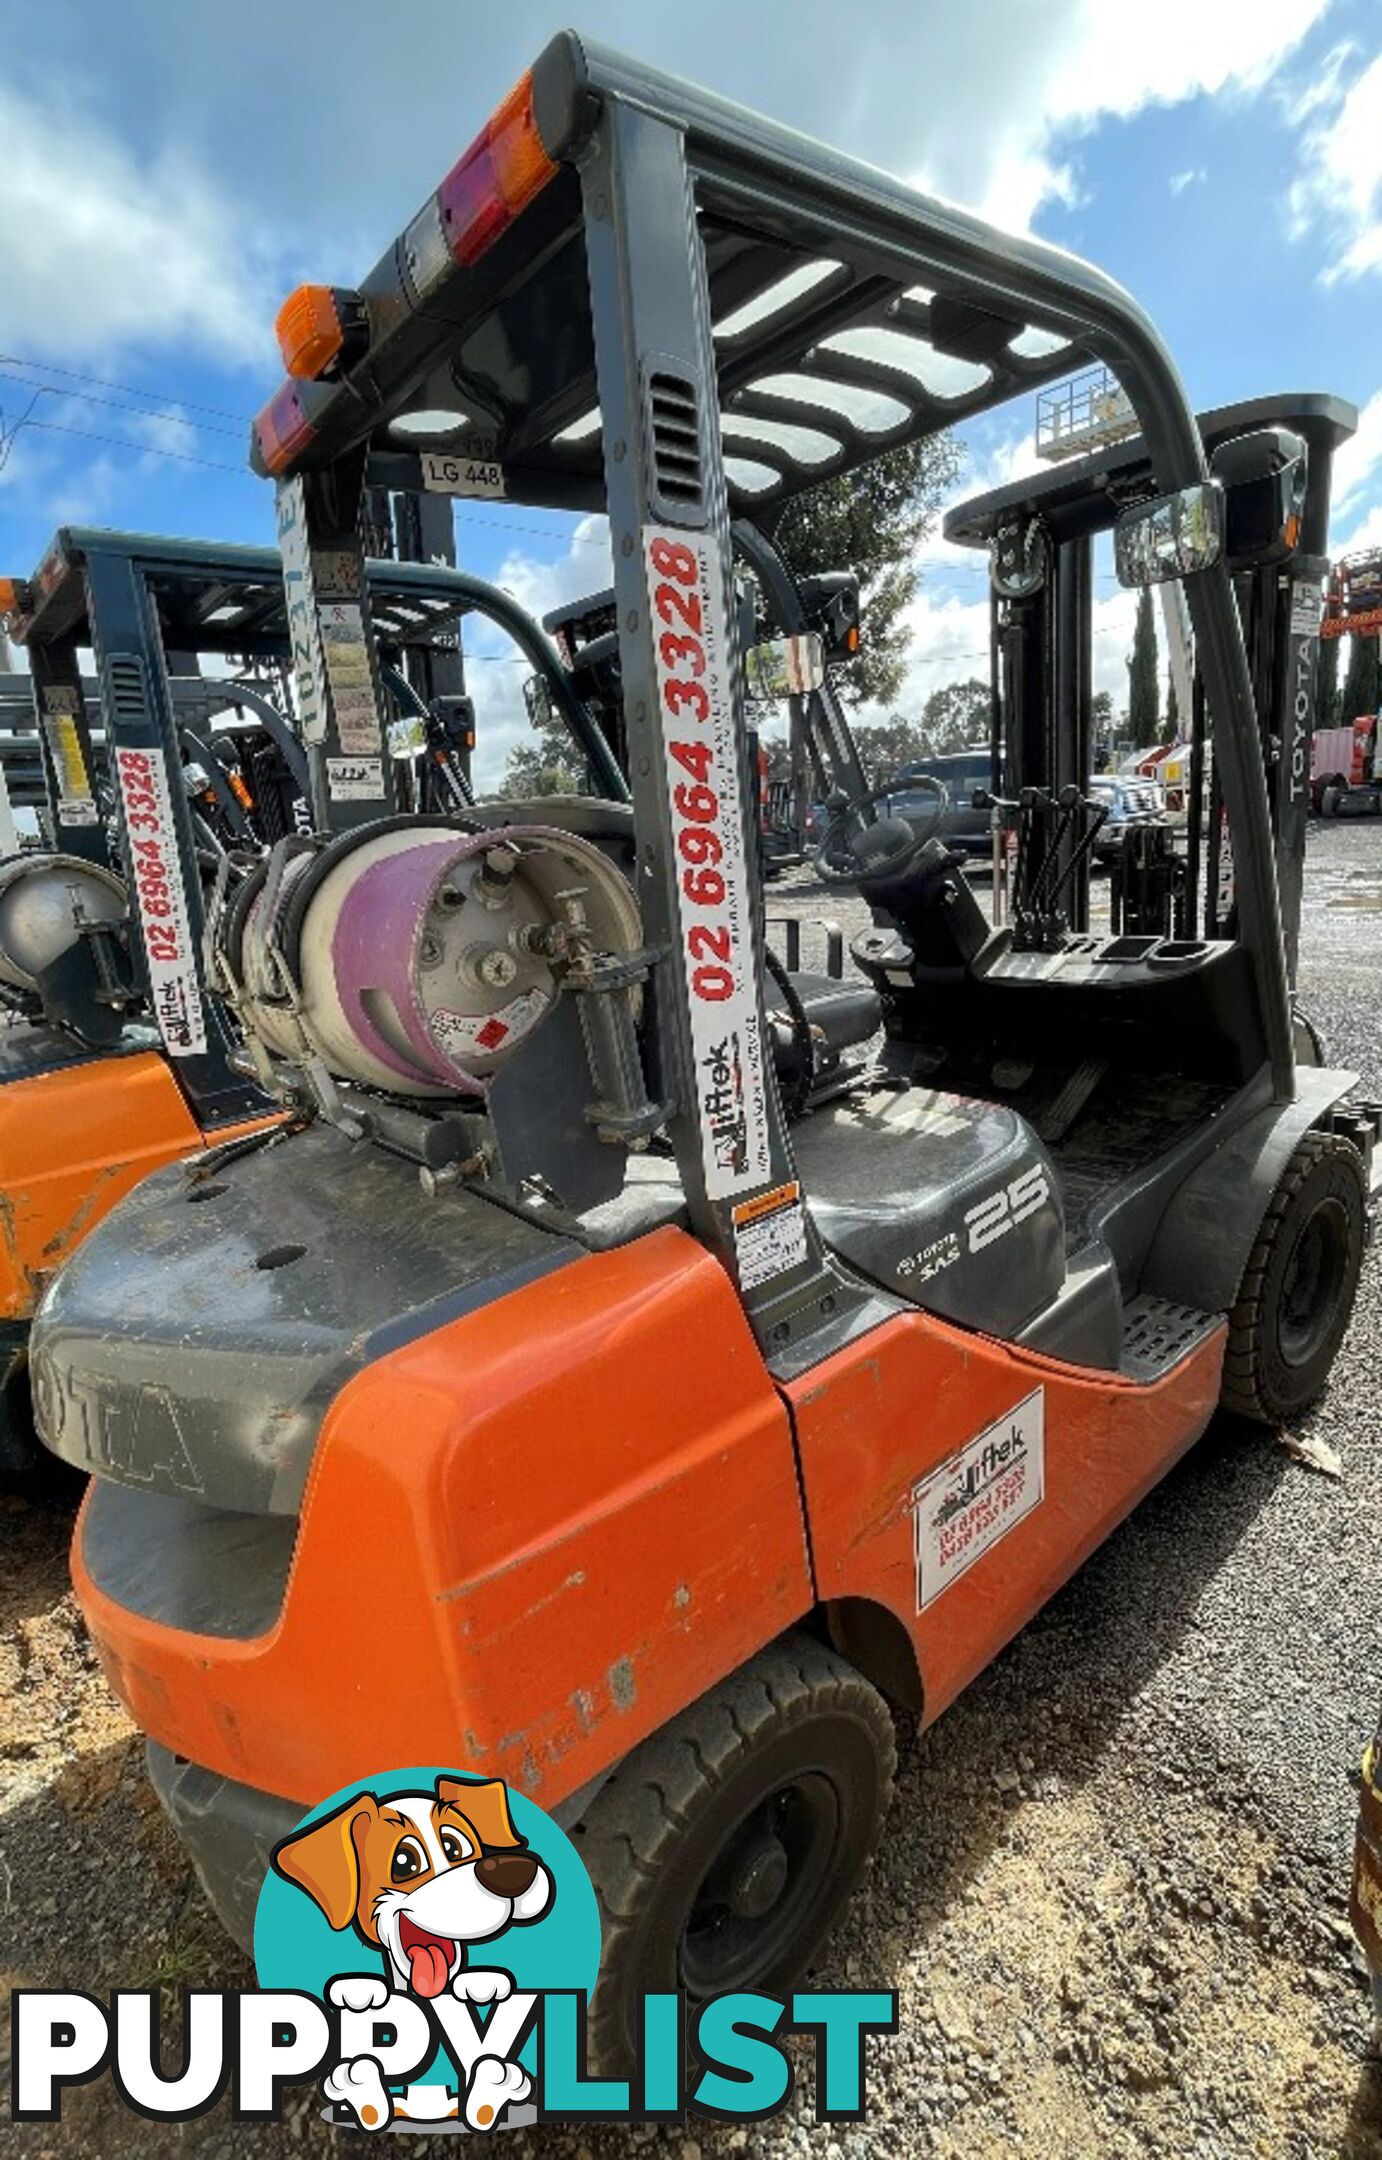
[1112, 1890]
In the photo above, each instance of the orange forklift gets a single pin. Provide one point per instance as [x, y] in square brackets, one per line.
[565, 1394]
[113, 1061]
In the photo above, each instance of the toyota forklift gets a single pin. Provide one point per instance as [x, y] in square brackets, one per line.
[562, 1393]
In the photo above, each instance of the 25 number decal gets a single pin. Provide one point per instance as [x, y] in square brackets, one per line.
[1003, 1210]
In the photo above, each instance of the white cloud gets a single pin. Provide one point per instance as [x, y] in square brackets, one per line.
[1337, 195]
[1193, 176]
[586, 567]
[1022, 82]
[1356, 501]
[99, 250]
[950, 643]
[168, 430]
[1357, 460]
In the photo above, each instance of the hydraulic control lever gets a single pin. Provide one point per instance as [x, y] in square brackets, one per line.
[1054, 838]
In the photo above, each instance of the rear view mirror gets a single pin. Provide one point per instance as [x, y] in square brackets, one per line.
[1172, 537]
[537, 699]
[407, 737]
[786, 667]
[1264, 476]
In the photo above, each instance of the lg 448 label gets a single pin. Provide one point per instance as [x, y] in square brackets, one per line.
[686, 598]
[173, 985]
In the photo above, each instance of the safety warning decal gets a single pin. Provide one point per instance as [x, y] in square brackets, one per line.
[978, 1495]
[342, 629]
[686, 597]
[473, 1034]
[76, 804]
[769, 1235]
[1305, 608]
[355, 779]
[301, 612]
[174, 988]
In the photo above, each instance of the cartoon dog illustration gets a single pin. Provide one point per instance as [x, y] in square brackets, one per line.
[420, 1877]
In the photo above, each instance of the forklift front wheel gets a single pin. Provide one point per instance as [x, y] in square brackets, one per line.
[1297, 1291]
[724, 1847]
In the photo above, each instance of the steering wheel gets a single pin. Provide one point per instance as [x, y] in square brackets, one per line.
[884, 847]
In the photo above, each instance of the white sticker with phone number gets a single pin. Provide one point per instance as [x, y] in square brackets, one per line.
[174, 988]
[686, 596]
[976, 1496]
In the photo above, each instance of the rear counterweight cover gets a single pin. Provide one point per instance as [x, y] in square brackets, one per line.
[194, 1343]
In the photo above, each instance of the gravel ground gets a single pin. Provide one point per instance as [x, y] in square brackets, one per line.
[1112, 1889]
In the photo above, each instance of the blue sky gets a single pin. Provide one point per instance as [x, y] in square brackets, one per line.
[171, 172]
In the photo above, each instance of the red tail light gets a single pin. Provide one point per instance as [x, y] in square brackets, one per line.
[501, 172]
[282, 429]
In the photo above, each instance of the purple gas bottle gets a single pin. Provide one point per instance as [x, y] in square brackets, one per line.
[421, 957]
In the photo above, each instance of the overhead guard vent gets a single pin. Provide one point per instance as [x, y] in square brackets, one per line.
[674, 433]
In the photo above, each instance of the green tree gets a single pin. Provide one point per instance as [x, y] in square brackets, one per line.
[1362, 691]
[545, 762]
[872, 521]
[1327, 688]
[1172, 725]
[887, 744]
[955, 717]
[1101, 729]
[1142, 676]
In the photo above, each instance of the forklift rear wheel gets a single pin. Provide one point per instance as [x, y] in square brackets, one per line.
[1297, 1291]
[724, 1847]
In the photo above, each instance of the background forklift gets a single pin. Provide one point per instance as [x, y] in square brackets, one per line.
[572, 1395]
[117, 1061]
[1275, 457]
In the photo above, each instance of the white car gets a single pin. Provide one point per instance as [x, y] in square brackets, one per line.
[1129, 801]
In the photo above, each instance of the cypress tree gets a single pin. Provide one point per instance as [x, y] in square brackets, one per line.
[1361, 687]
[1143, 716]
[1327, 694]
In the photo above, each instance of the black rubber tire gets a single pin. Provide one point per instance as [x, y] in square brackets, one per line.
[1296, 1296]
[693, 1793]
[1330, 798]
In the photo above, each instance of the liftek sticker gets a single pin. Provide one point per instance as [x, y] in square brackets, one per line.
[174, 986]
[355, 779]
[769, 1235]
[963, 1509]
[686, 597]
[473, 476]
